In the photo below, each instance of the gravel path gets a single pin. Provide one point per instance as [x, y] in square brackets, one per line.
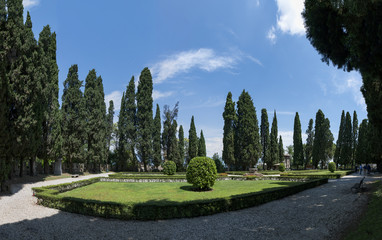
[319, 213]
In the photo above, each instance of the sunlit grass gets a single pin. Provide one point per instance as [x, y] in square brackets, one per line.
[177, 192]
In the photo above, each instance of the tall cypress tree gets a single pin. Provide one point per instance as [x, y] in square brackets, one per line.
[193, 141]
[229, 116]
[264, 135]
[298, 151]
[247, 139]
[363, 148]
[318, 153]
[73, 115]
[145, 117]
[339, 144]
[51, 139]
[309, 143]
[354, 136]
[169, 132]
[173, 149]
[157, 158]
[179, 166]
[131, 123]
[281, 150]
[202, 152]
[122, 136]
[328, 143]
[346, 148]
[95, 120]
[273, 148]
[109, 124]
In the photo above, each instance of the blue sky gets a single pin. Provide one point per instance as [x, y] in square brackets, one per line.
[198, 51]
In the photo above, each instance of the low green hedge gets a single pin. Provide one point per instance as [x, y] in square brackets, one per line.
[124, 176]
[327, 175]
[153, 210]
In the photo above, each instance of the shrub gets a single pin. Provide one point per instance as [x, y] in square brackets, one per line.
[282, 167]
[201, 173]
[332, 166]
[169, 168]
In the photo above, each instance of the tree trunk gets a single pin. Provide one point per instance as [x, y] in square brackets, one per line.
[21, 167]
[32, 171]
[46, 166]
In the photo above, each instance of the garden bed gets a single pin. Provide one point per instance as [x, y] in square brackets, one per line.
[155, 208]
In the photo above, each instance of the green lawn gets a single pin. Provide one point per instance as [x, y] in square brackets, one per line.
[370, 224]
[176, 192]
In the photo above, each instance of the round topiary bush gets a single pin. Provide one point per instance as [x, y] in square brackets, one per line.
[332, 167]
[201, 173]
[169, 168]
[282, 167]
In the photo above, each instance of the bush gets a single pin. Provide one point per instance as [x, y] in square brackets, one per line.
[201, 173]
[169, 168]
[282, 167]
[332, 166]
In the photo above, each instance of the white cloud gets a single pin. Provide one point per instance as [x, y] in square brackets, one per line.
[271, 35]
[284, 113]
[203, 58]
[214, 145]
[158, 94]
[289, 19]
[116, 96]
[255, 60]
[351, 84]
[287, 137]
[30, 3]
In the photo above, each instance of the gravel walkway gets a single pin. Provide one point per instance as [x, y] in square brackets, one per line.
[319, 213]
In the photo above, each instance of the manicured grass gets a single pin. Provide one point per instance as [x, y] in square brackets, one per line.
[175, 192]
[370, 224]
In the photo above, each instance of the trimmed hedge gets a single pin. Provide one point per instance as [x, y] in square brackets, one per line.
[330, 175]
[153, 210]
[169, 168]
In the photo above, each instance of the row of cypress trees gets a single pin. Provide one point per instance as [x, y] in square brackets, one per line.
[139, 136]
[32, 125]
[242, 143]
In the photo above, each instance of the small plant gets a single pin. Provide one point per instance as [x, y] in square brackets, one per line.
[201, 173]
[332, 167]
[169, 168]
[282, 167]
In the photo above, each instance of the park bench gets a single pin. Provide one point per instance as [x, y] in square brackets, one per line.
[358, 186]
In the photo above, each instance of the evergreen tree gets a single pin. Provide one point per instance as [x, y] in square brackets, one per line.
[363, 148]
[298, 151]
[169, 132]
[173, 150]
[51, 139]
[181, 147]
[309, 143]
[273, 147]
[229, 117]
[122, 148]
[281, 150]
[131, 124]
[329, 146]
[193, 141]
[265, 139]
[202, 152]
[319, 143]
[247, 139]
[109, 125]
[339, 144]
[73, 115]
[354, 136]
[346, 148]
[157, 158]
[95, 120]
[145, 117]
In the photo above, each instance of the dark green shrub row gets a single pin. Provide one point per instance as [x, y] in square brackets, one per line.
[330, 175]
[67, 186]
[147, 173]
[154, 210]
[147, 176]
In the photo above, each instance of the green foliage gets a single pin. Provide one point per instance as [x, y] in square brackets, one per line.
[202, 152]
[218, 163]
[192, 141]
[309, 143]
[281, 150]
[247, 139]
[264, 136]
[354, 136]
[73, 115]
[298, 151]
[169, 141]
[363, 147]
[323, 140]
[345, 33]
[169, 168]
[332, 166]
[109, 126]
[273, 148]
[145, 116]
[282, 167]
[339, 144]
[179, 164]
[229, 116]
[157, 157]
[201, 173]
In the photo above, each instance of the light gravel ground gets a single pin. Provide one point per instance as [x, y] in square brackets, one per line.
[320, 213]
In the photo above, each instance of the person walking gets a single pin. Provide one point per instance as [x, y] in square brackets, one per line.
[360, 169]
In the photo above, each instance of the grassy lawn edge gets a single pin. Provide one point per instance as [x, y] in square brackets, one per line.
[154, 210]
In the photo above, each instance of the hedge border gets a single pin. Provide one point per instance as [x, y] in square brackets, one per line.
[155, 210]
[330, 176]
